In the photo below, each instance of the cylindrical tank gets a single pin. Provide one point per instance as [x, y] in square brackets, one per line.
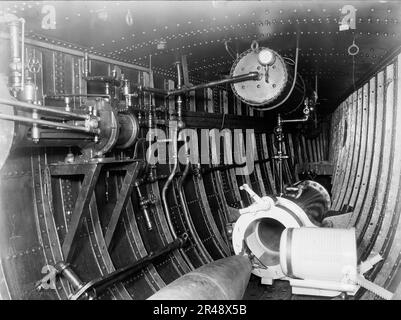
[318, 253]
[274, 84]
[128, 130]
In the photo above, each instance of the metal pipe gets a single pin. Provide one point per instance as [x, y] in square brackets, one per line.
[42, 108]
[96, 287]
[304, 119]
[279, 157]
[175, 166]
[154, 90]
[86, 64]
[181, 124]
[229, 166]
[22, 20]
[187, 216]
[224, 279]
[58, 125]
[78, 95]
[109, 79]
[179, 75]
[35, 134]
[15, 65]
[169, 181]
[150, 124]
[235, 79]
[280, 169]
[65, 271]
[143, 203]
[14, 44]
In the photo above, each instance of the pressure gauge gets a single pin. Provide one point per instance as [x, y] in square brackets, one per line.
[266, 57]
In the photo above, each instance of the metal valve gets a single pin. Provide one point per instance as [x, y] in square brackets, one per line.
[261, 204]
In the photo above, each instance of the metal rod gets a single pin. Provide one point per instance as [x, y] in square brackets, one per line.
[179, 99]
[240, 78]
[109, 79]
[305, 118]
[154, 90]
[144, 203]
[15, 52]
[51, 124]
[99, 285]
[42, 108]
[61, 95]
[65, 271]
[280, 157]
[280, 170]
[227, 167]
[86, 64]
[15, 63]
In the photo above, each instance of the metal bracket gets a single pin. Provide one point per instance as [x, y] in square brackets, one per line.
[122, 199]
[49, 280]
[91, 171]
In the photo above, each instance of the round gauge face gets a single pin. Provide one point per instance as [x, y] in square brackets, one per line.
[272, 81]
[266, 57]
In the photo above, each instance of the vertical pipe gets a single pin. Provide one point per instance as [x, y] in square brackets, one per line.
[173, 140]
[279, 151]
[14, 45]
[15, 57]
[86, 64]
[22, 53]
[207, 258]
[179, 97]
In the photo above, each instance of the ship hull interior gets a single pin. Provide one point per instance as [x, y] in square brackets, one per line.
[169, 149]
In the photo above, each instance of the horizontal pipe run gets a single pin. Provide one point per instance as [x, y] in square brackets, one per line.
[154, 90]
[42, 108]
[222, 168]
[77, 95]
[115, 82]
[46, 123]
[240, 78]
[304, 119]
